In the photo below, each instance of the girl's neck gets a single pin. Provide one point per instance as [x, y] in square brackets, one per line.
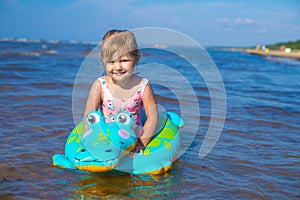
[125, 84]
[124, 89]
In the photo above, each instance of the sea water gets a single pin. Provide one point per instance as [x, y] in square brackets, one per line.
[256, 156]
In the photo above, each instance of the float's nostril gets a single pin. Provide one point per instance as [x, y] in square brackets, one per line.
[108, 150]
[86, 133]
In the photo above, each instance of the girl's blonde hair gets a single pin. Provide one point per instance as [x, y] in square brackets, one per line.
[117, 43]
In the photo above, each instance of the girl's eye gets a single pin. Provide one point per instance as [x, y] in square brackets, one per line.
[93, 118]
[125, 60]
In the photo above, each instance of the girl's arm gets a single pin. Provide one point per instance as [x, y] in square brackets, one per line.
[93, 100]
[151, 112]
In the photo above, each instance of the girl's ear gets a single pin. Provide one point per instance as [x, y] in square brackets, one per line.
[137, 58]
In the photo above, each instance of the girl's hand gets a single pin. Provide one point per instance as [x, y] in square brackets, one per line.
[138, 148]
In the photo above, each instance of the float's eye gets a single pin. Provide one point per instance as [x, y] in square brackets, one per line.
[123, 118]
[93, 118]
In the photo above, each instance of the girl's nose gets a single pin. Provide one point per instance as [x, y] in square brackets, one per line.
[118, 65]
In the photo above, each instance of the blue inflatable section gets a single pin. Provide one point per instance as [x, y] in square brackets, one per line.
[106, 146]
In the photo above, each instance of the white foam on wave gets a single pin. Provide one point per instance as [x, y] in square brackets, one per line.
[23, 40]
[51, 52]
[26, 40]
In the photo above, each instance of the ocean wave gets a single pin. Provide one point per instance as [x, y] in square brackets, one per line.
[32, 53]
[49, 52]
[27, 40]
[16, 54]
[23, 40]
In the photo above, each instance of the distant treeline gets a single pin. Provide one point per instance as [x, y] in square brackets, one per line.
[293, 45]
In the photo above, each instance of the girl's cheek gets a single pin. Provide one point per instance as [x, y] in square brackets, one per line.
[107, 70]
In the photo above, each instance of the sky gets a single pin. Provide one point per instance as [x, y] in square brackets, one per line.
[209, 22]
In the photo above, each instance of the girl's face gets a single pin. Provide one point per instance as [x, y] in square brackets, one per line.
[121, 69]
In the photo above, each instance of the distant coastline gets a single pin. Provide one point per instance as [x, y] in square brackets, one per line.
[293, 54]
[287, 50]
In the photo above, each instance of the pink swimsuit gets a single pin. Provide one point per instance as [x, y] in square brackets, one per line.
[111, 106]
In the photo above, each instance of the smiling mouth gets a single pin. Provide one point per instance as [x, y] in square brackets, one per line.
[119, 72]
[87, 160]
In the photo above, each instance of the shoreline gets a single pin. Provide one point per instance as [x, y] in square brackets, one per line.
[295, 55]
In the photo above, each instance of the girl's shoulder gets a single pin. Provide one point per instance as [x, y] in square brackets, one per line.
[142, 83]
[103, 80]
[142, 80]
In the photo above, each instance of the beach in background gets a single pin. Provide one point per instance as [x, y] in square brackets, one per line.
[285, 50]
[256, 157]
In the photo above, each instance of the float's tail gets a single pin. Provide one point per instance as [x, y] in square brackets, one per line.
[178, 121]
[62, 161]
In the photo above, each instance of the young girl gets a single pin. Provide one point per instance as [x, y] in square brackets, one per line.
[121, 89]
